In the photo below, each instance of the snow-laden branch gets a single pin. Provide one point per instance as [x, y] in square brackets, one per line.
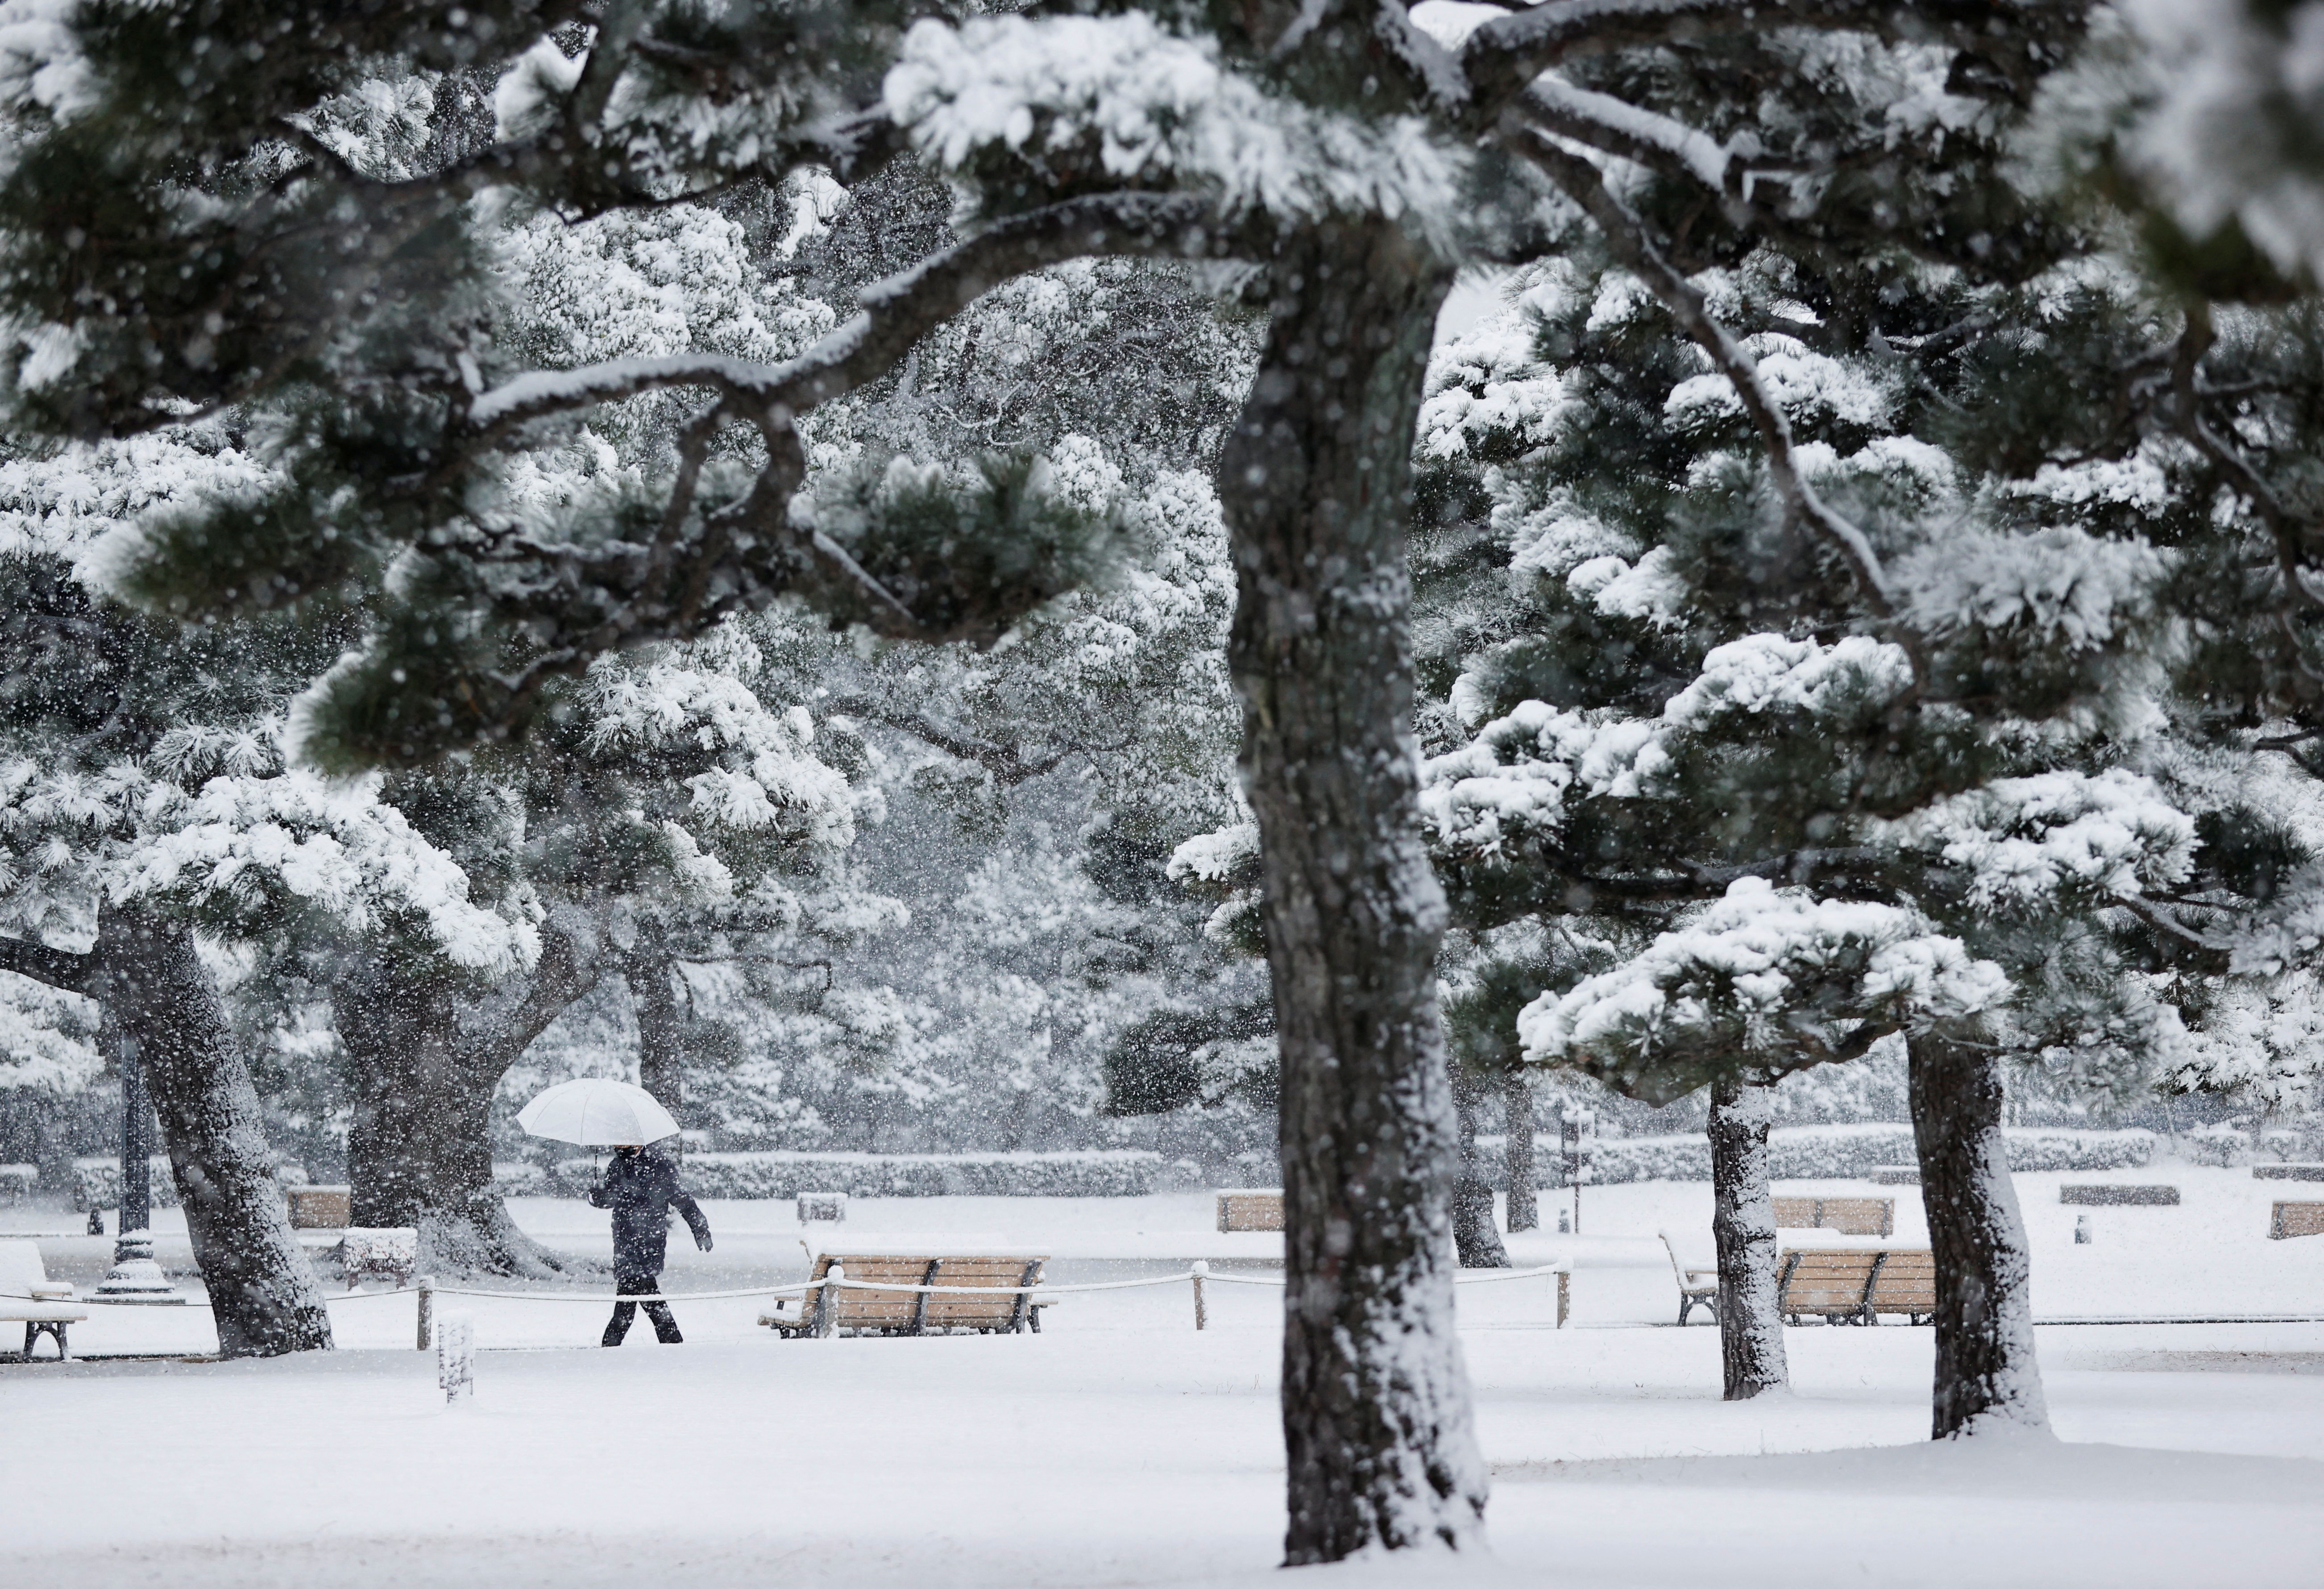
[55, 968]
[1504, 55]
[897, 312]
[1012, 764]
[1628, 239]
[1619, 127]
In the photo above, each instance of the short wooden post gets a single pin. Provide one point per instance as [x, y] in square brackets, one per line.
[826, 1317]
[1202, 1315]
[1564, 1296]
[427, 1284]
[455, 1357]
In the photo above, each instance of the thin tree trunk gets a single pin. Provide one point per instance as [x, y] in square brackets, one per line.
[1986, 1377]
[1518, 1124]
[1743, 1224]
[652, 978]
[1475, 1238]
[1315, 482]
[263, 1294]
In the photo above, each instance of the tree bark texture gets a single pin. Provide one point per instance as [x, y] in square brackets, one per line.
[1475, 1238]
[419, 1142]
[264, 1293]
[1516, 1111]
[661, 1015]
[1987, 1376]
[1743, 1224]
[1316, 483]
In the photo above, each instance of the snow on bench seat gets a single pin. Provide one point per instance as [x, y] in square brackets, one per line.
[850, 1309]
[29, 1298]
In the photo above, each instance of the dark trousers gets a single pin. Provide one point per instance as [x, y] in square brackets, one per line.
[665, 1323]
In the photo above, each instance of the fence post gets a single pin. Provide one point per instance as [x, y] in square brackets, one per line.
[455, 1357]
[1202, 1316]
[826, 1302]
[427, 1284]
[1564, 1296]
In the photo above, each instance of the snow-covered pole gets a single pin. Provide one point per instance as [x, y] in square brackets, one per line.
[455, 1357]
[1200, 1268]
[826, 1302]
[427, 1284]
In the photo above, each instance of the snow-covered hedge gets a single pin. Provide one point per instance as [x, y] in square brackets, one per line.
[17, 1181]
[1822, 1153]
[1095, 1173]
[96, 1183]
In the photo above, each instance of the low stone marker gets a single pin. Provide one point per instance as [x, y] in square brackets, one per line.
[2107, 1196]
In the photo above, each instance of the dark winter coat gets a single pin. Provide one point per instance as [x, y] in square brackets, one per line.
[641, 1191]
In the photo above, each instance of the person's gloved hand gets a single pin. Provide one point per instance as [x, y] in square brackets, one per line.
[702, 1243]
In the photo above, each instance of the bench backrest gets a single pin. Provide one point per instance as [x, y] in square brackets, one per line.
[905, 1310]
[1844, 1279]
[1907, 1282]
[2296, 1219]
[1823, 1281]
[1850, 1216]
[1250, 1211]
[21, 1267]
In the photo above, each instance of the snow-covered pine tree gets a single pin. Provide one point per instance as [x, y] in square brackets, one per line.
[147, 809]
[1915, 659]
[179, 231]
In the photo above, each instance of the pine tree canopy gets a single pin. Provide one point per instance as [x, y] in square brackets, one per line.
[318, 220]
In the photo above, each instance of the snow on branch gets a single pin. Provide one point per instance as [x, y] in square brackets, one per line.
[1147, 106]
[1619, 127]
[1628, 239]
[1766, 980]
[897, 312]
[2025, 843]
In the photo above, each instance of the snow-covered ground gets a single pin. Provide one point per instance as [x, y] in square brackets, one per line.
[1123, 1447]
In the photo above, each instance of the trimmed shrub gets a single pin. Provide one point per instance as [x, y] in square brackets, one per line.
[1822, 1153]
[1124, 1173]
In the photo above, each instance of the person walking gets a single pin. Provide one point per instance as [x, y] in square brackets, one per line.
[640, 1187]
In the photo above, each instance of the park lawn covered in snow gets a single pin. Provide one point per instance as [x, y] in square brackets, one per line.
[1123, 1447]
[1120, 1446]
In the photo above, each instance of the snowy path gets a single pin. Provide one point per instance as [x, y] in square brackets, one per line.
[1121, 1447]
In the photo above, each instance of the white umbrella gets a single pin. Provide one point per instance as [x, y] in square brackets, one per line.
[596, 1113]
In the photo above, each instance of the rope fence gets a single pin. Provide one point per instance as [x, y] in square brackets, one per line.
[1198, 1275]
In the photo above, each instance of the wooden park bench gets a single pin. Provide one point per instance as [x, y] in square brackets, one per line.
[29, 1298]
[1250, 1211]
[1856, 1285]
[1698, 1286]
[844, 1310]
[2295, 1219]
[1850, 1216]
[319, 1208]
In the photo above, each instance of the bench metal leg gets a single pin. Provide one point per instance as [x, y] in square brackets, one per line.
[36, 1328]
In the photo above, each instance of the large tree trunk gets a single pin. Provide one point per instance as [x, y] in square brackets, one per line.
[263, 1294]
[1475, 1238]
[1986, 1377]
[1743, 1224]
[1315, 482]
[419, 1143]
[1518, 1124]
